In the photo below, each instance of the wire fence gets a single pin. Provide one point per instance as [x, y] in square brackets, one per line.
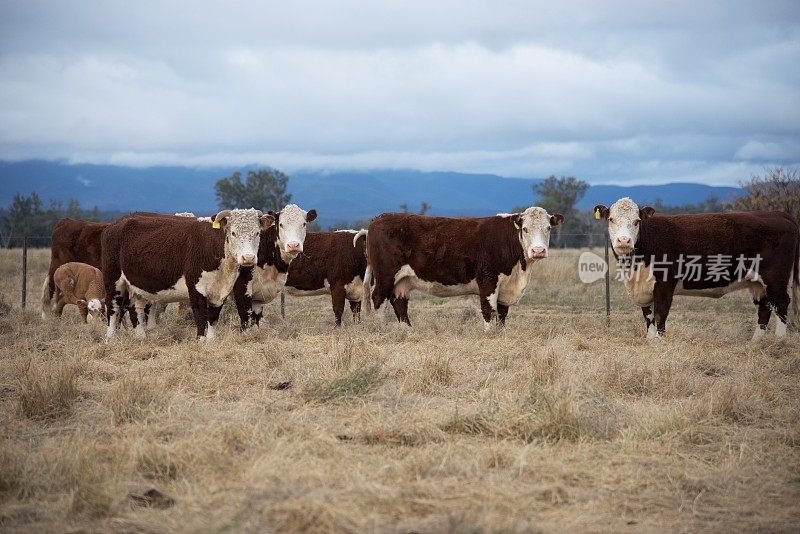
[38, 242]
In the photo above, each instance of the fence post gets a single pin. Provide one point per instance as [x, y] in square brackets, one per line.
[24, 269]
[283, 305]
[608, 286]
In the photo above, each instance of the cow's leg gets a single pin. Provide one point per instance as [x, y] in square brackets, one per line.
[153, 312]
[383, 286]
[778, 297]
[764, 314]
[355, 308]
[488, 291]
[243, 296]
[213, 318]
[502, 312]
[115, 309]
[338, 294]
[60, 302]
[647, 312]
[257, 313]
[83, 309]
[400, 305]
[200, 311]
[140, 305]
[663, 293]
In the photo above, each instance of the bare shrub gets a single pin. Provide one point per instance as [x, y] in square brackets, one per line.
[48, 390]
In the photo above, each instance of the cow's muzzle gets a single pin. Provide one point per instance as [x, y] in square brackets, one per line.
[538, 253]
[247, 260]
[294, 247]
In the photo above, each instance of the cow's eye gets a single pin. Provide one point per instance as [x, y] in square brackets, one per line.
[525, 229]
[304, 225]
[548, 228]
[281, 225]
[611, 219]
[233, 233]
[636, 222]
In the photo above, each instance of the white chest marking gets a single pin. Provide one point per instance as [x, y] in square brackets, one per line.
[512, 287]
[639, 284]
[267, 283]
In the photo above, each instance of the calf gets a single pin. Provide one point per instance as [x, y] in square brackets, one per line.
[489, 256]
[72, 241]
[170, 259]
[331, 263]
[705, 255]
[79, 284]
[280, 244]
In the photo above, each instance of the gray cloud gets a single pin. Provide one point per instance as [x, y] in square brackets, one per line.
[623, 93]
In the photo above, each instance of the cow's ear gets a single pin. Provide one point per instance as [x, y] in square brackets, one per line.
[274, 216]
[266, 221]
[646, 212]
[517, 220]
[600, 212]
[311, 215]
[556, 219]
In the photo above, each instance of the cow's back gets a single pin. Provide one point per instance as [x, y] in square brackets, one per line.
[327, 256]
[704, 234]
[78, 241]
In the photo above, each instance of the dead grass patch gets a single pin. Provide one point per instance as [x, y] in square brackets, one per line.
[354, 383]
[47, 390]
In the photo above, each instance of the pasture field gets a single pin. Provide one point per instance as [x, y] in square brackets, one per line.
[555, 423]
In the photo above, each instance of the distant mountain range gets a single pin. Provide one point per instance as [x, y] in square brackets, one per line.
[338, 196]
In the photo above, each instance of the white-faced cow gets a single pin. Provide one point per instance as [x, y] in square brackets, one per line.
[331, 263]
[490, 257]
[171, 259]
[707, 255]
[280, 244]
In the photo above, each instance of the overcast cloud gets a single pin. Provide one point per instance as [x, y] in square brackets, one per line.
[611, 92]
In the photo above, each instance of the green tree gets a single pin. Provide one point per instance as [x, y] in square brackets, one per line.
[559, 195]
[264, 189]
[776, 189]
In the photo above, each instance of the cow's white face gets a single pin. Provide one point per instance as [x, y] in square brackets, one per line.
[535, 224]
[242, 233]
[95, 308]
[292, 229]
[624, 218]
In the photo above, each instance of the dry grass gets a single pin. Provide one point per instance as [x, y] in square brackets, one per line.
[555, 423]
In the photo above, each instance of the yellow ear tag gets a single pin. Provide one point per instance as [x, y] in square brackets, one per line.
[597, 214]
[516, 225]
[215, 225]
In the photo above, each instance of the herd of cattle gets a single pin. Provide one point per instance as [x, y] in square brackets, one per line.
[143, 261]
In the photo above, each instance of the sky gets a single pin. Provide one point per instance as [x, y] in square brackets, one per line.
[610, 92]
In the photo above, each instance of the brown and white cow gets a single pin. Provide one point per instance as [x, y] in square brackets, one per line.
[171, 259]
[280, 244]
[81, 285]
[72, 240]
[490, 257]
[705, 255]
[332, 263]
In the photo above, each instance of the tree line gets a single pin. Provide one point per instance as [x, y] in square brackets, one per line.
[267, 189]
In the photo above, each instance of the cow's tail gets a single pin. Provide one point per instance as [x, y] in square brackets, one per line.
[358, 235]
[366, 300]
[46, 298]
[796, 280]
